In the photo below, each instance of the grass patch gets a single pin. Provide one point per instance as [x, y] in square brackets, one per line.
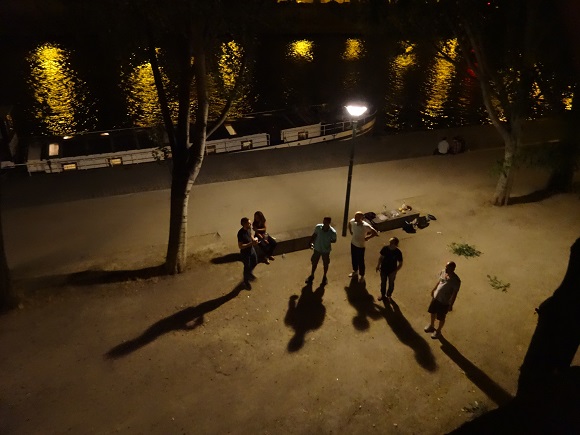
[497, 284]
[464, 250]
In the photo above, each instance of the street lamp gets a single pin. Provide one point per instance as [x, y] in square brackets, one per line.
[355, 112]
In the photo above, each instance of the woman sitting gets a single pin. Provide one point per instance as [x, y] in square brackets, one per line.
[267, 243]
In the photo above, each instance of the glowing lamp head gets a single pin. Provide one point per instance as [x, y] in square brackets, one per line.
[356, 111]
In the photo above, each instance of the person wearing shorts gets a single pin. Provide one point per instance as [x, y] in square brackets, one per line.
[321, 241]
[442, 298]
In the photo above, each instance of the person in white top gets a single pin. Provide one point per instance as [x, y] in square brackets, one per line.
[361, 231]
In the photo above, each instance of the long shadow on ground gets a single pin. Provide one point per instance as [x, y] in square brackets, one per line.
[476, 375]
[305, 313]
[186, 319]
[408, 336]
[359, 297]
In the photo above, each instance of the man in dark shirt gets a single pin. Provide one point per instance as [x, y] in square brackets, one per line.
[390, 261]
[246, 244]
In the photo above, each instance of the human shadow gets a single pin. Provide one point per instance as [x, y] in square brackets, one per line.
[363, 302]
[476, 375]
[228, 258]
[305, 313]
[186, 319]
[408, 336]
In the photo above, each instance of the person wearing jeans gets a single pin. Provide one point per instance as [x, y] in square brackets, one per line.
[361, 231]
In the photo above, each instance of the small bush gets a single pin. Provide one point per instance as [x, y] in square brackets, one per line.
[497, 284]
[464, 250]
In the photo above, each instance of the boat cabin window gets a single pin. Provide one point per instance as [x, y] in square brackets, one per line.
[302, 135]
[247, 145]
[69, 166]
[210, 149]
[114, 161]
[53, 150]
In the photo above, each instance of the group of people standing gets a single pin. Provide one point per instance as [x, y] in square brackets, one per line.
[389, 263]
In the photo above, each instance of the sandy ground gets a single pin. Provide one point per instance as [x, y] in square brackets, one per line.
[195, 354]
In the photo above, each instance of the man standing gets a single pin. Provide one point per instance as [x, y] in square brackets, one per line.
[361, 231]
[443, 296]
[246, 244]
[322, 238]
[390, 262]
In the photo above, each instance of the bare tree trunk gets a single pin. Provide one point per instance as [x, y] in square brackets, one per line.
[505, 182]
[181, 184]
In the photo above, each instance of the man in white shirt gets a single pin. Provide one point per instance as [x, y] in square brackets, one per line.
[361, 231]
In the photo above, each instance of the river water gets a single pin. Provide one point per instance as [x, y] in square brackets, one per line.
[59, 88]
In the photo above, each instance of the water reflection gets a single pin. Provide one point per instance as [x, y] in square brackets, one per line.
[397, 71]
[60, 104]
[439, 82]
[223, 84]
[142, 100]
[354, 50]
[301, 50]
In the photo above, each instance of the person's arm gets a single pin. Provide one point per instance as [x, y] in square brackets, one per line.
[312, 239]
[243, 245]
[373, 233]
[379, 263]
[333, 238]
[452, 301]
[400, 265]
[350, 227]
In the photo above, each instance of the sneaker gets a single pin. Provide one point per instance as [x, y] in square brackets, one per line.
[436, 335]
[381, 298]
[267, 261]
[309, 279]
[361, 278]
[271, 258]
[350, 275]
[429, 328]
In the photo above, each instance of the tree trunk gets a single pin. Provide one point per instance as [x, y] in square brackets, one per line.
[505, 182]
[181, 184]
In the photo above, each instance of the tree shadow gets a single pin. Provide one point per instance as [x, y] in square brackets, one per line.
[228, 258]
[476, 375]
[408, 336]
[536, 196]
[185, 320]
[363, 302]
[551, 409]
[305, 313]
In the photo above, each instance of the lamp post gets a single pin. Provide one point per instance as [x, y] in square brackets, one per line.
[355, 112]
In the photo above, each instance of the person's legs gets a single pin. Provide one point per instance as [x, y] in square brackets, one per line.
[391, 276]
[325, 264]
[272, 245]
[253, 262]
[361, 261]
[314, 260]
[354, 258]
[246, 259]
[383, 285]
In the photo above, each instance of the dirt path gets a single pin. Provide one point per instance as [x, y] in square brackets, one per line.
[195, 354]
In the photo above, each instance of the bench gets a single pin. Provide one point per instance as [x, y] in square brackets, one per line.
[293, 240]
[385, 223]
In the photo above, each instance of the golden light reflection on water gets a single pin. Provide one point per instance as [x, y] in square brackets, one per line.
[142, 99]
[301, 50]
[230, 70]
[567, 98]
[439, 82]
[60, 96]
[353, 50]
[398, 69]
